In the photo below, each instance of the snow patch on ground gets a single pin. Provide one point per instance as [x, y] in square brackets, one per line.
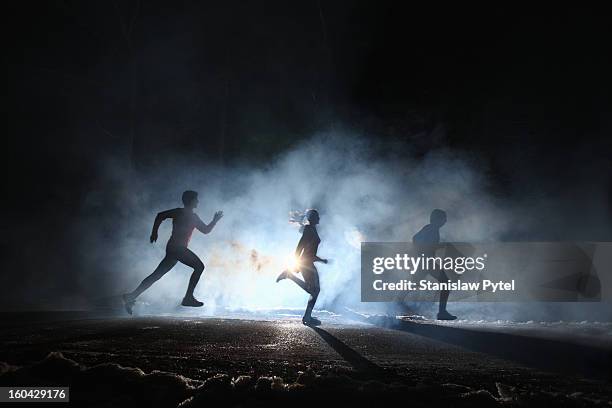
[113, 385]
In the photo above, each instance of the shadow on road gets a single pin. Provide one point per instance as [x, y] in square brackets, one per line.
[547, 354]
[356, 360]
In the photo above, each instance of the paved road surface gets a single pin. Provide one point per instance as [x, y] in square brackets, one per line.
[199, 348]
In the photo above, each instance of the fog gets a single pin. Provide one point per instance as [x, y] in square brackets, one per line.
[364, 191]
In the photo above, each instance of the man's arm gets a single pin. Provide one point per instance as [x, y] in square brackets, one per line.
[158, 220]
[204, 228]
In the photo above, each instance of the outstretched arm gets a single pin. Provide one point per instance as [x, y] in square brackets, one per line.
[206, 228]
[317, 259]
[158, 220]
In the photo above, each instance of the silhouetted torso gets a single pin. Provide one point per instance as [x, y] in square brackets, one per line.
[427, 238]
[184, 222]
[311, 243]
[427, 235]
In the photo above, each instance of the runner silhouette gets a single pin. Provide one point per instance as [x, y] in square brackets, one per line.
[306, 254]
[427, 240]
[184, 220]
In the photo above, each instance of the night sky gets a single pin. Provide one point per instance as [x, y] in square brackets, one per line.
[525, 91]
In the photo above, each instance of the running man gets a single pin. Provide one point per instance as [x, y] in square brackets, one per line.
[428, 240]
[184, 220]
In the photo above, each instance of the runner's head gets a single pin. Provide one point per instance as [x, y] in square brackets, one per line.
[190, 199]
[312, 216]
[437, 218]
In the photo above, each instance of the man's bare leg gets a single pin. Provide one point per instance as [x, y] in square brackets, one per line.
[188, 258]
[164, 267]
[442, 312]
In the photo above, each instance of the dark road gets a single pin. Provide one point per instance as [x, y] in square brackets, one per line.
[201, 348]
[196, 347]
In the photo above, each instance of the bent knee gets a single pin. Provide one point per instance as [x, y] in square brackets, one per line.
[199, 268]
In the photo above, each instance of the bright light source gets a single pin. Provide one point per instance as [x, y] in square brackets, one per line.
[293, 263]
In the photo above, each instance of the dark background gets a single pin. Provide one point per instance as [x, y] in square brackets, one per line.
[526, 90]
